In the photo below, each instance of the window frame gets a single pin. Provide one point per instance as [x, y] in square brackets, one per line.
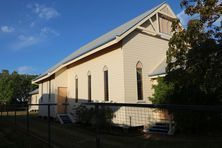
[49, 90]
[139, 81]
[76, 89]
[89, 88]
[42, 92]
[106, 83]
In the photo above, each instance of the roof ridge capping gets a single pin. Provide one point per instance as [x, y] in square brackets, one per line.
[103, 39]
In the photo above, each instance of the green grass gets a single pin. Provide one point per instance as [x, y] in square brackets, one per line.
[11, 138]
[73, 136]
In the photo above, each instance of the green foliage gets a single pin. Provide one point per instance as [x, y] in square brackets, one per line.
[87, 115]
[194, 56]
[6, 91]
[15, 87]
[194, 64]
[162, 90]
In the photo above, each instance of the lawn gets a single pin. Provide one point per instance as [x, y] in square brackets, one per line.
[69, 136]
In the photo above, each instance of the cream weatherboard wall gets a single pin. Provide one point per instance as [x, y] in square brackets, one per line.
[44, 97]
[61, 79]
[150, 51]
[65, 77]
[113, 60]
[34, 100]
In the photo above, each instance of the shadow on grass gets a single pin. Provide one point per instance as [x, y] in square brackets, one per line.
[69, 136]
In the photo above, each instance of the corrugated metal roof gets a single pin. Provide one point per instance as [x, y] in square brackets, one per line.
[160, 69]
[102, 39]
[36, 91]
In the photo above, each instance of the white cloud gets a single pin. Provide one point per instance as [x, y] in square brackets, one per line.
[25, 41]
[7, 29]
[25, 70]
[43, 12]
[45, 31]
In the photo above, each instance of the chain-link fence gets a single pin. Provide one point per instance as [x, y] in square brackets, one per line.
[109, 125]
[174, 121]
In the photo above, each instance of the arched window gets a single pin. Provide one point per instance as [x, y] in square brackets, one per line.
[89, 87]
[76, 88]
[106, 83]
[139, 77]
[105, 68]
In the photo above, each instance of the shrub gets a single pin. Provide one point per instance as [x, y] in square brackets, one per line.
[87, 115]
[162, 91]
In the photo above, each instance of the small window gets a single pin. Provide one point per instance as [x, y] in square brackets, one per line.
[76, 81]
[106, 84]
[89, 88]
[139, 81]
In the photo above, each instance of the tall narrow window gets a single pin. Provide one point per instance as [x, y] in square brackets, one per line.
[76, 81]
[106, 84]
[139, 81]
[49, 90]
[42, 92]
[89, 87]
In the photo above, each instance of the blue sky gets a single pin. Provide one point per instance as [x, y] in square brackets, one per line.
[35, 35]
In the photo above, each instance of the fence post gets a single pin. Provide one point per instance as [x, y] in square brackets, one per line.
[130, 120]
[6, 105]
[15, 114]
[49, 127]
[1, 110]
[97, 126]
[27, 118]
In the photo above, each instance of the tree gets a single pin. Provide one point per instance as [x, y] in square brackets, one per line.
[6, 91]
[194, 56]
[194, 62]
[162, 90]
[14, 87]
[21, 86]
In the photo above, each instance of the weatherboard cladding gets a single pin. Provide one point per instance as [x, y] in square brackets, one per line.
[102, 40]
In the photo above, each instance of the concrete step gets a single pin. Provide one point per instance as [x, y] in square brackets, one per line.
[64, 119]
[159, 128]
[154, 129]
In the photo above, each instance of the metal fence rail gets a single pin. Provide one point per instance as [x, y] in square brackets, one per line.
[152, 116]
[10, 111]
[114, 118]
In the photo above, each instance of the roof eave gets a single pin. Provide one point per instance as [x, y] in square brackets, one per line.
[153, 76]
[102, 46]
